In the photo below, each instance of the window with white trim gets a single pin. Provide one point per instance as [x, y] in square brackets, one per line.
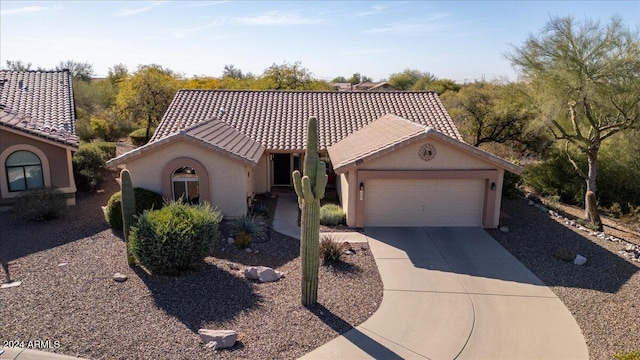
[186, 185]
[24, 171]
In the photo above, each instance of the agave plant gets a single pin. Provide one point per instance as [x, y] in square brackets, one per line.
[249, 228]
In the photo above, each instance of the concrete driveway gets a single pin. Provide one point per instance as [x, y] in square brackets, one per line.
[455, 293]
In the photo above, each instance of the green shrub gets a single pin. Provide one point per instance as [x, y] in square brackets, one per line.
[330, 248]
[631, 355]
[41, 204]
[83, 129]
[249, 228]
[108, 127]
[556, 176]
[139, 137]
[332, 214]
[175, 238]
[108, 148]
[510, 185]
[89, 166]
[145, 200]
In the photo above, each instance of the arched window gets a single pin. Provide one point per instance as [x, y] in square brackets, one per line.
[186, 185]
[24, 171]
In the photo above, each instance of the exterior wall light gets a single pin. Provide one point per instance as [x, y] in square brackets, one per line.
[361, 191]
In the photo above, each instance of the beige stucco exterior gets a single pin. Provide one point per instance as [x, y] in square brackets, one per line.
[57, 166]
[230, 183]
[404, 163]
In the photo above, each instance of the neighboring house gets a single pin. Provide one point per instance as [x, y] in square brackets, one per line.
[366, 86]
[396, 158]
[37, 133]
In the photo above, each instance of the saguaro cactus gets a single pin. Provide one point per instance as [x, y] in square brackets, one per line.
[128, 209]
[310, 189]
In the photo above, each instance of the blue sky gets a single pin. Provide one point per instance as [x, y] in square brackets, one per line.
[460, 40]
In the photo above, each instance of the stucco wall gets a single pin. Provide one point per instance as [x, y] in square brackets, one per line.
[447, 157]
[227, 177]
[56, 163]
[56, 155]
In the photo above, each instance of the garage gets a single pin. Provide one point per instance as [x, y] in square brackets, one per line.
[424, 202]
[394, 172]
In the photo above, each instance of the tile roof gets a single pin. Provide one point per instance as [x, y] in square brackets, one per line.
[40, 103]
[390, 132]
[277, 119]
[213, 134]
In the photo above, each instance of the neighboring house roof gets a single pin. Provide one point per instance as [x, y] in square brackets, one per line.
[39, 103]
[371, 86]
[36, 127]
[277, 119]
[391, 132]
[212, 134]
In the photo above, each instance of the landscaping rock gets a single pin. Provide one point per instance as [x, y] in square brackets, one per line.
[247, 250]
[262, 274]
[580, 260]
[230, 241]
[118, 277]
[218, 339]
[349, 252]
[504, 229]
[233, 266]
[530, 203]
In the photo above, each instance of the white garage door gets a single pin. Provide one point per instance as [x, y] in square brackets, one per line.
[447, 202]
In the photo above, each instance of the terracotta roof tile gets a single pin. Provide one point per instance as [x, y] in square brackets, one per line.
[39, 102]
[277, 119]
[213, 134]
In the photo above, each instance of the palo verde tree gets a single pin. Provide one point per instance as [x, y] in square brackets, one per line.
[146, 95]
[587, 80]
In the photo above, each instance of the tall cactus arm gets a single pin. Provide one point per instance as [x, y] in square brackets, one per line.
[321, 181]
[128, 208]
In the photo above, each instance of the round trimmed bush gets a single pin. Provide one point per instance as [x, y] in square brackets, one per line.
[41, 204]
[173, 239]
[145, 200]
[332, 214]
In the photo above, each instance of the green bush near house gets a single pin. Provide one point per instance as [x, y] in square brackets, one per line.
[89, 166]
[332, 214]
[145, 200]
[41, 204]
[108, 148]
[174, 239]
[139, 137]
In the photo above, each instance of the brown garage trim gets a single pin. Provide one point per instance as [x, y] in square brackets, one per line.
[174, 164]
[490, 177]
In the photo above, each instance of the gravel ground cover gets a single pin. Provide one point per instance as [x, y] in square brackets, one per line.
[602, 295]
[68, 294]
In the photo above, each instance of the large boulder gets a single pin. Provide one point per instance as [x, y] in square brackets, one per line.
[262, 274]
[218, 339]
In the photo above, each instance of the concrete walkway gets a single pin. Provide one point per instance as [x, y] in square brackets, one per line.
[450, 293]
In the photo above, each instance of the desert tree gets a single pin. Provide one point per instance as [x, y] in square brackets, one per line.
[586, 77]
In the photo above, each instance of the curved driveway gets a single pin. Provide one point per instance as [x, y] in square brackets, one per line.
[455, 293]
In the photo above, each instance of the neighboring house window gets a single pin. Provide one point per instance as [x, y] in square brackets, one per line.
[24, 171]
[186, 185]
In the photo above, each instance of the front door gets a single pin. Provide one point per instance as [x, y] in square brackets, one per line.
[281, 169]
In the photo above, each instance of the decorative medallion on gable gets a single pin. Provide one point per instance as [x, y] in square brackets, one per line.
[427, 152]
